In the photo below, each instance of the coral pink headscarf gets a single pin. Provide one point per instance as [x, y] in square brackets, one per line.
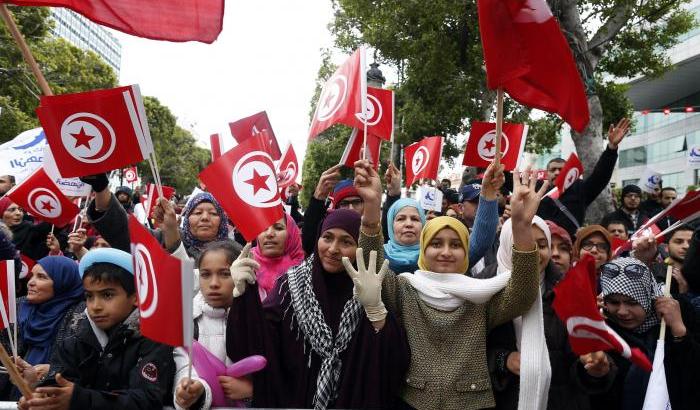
[273, 268]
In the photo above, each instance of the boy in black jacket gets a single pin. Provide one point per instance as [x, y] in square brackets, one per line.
[107, 364]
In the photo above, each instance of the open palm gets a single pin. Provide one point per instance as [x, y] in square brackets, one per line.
[525, 199]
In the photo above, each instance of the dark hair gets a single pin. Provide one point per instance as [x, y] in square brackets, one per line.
[226, 246]
[555, 160]
[615, 222]
[684, 227]
[110, 273]
[668, 188]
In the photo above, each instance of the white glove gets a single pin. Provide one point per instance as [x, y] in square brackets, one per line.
[243, 271]
[368, 284]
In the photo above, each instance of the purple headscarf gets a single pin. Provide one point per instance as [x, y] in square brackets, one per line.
[188, 239]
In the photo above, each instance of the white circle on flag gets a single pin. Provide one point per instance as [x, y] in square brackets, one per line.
[287, 175]
[88, 137]
[373, 111]
[255, 181]
[332, 97]
[146, 284]
[571, 177]
[130, 175]
[486, 148]
[24, 270]
[420, 160]
[43, 202]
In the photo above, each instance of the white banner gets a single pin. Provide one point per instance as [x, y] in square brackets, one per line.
[430, 198]
[694, 156]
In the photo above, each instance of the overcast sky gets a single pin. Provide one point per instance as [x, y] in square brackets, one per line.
[266, 58]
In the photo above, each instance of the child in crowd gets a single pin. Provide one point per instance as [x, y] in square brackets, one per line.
[210, 309]
[107, 364]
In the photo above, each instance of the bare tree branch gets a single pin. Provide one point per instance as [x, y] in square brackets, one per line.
[611, 27]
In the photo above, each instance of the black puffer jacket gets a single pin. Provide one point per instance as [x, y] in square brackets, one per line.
[570, 384]
[131, 372]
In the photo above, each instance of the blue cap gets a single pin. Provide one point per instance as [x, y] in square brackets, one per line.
[469, 192]
[106, 255]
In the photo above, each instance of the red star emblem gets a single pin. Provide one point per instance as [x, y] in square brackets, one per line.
[489, 145]
[82, 138]
[46, 205]
[258, 182]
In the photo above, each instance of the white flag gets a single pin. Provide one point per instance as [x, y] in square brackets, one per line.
[650, 179]
[657, 391]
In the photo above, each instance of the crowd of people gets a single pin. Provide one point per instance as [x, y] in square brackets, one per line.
[365, 300]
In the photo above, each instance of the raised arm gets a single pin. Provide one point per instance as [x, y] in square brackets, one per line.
[486, 221]
[600, 177]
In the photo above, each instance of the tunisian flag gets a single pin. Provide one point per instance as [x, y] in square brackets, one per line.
[575, 304]
[343, 96]
[215, 145]
[288, 168]
[96, 131]
[481, 145]
[7, 292]
[380, 113]
[423, 159]
[244, 181]
[171, 20]
[353, 149]
[153, 195]
[254, 125]
[164, 287]
[42, 198]
[570, 173]
[527, 55]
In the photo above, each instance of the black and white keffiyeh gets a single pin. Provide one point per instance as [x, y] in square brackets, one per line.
[318, 334]
[640, 287]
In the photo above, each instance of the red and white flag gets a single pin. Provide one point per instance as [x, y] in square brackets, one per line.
[164, 286]
[288, 169]
[27, 264]
[42, 198]
[379, 112]
[131, 174]
[527, 55]
[96, 131]
[683, 209]
[353, 149]
[570, 173]
[343, 96]
[575, 305]
[244, 181]
[153, 195]
[423, 159]
[216, 146]
[253, 126]
[172, 20]
[7, 292]
[481, 145]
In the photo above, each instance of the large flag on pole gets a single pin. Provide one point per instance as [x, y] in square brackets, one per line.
[343, 96]
[164, 286]
[96, 131]
[527, 55]
[171, 20]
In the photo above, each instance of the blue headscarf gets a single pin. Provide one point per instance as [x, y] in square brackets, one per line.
[40, 322]
[402, 258]
[188, 238]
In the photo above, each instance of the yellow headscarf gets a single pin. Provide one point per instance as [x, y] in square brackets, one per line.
[432, 228]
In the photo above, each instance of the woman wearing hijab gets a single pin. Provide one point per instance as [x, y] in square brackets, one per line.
[634, 307]
[446, 314]
[55, 295]
[278, 249]
[595, 241]
[28, 237]
[402, 250]
[549, 363]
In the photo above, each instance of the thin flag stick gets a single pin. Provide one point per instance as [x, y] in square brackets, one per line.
[667, 293]
[14, 335]
[15, 377]
[24, 48]
[499, 125]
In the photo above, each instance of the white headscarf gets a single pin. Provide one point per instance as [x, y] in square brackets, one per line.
[535, 369]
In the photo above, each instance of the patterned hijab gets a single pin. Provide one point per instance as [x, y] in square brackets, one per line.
[638, 284]
[402, 258]
[188, 238]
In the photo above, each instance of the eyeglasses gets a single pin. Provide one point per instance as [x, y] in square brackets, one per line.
[345, 204]
[601, 246]
[632, 271]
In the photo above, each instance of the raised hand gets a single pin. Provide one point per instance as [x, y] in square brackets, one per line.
[617, 132]
[493, 181]
[392, 178]
[326, 182]
[369, 187]
[243, 271]
[525, 199]
[368, 284]
[596, 363]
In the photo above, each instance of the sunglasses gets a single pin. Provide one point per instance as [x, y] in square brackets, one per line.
[632, 271]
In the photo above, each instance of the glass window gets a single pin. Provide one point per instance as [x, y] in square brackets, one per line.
[676, 180]
[632, 157]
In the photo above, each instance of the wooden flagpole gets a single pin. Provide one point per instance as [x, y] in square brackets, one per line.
[499, 125]
[15, 377]
[24, 48]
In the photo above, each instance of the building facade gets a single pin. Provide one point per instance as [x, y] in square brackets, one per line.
[667, 118]
[87, 35]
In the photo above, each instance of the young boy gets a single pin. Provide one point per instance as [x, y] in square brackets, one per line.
[107, 364]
